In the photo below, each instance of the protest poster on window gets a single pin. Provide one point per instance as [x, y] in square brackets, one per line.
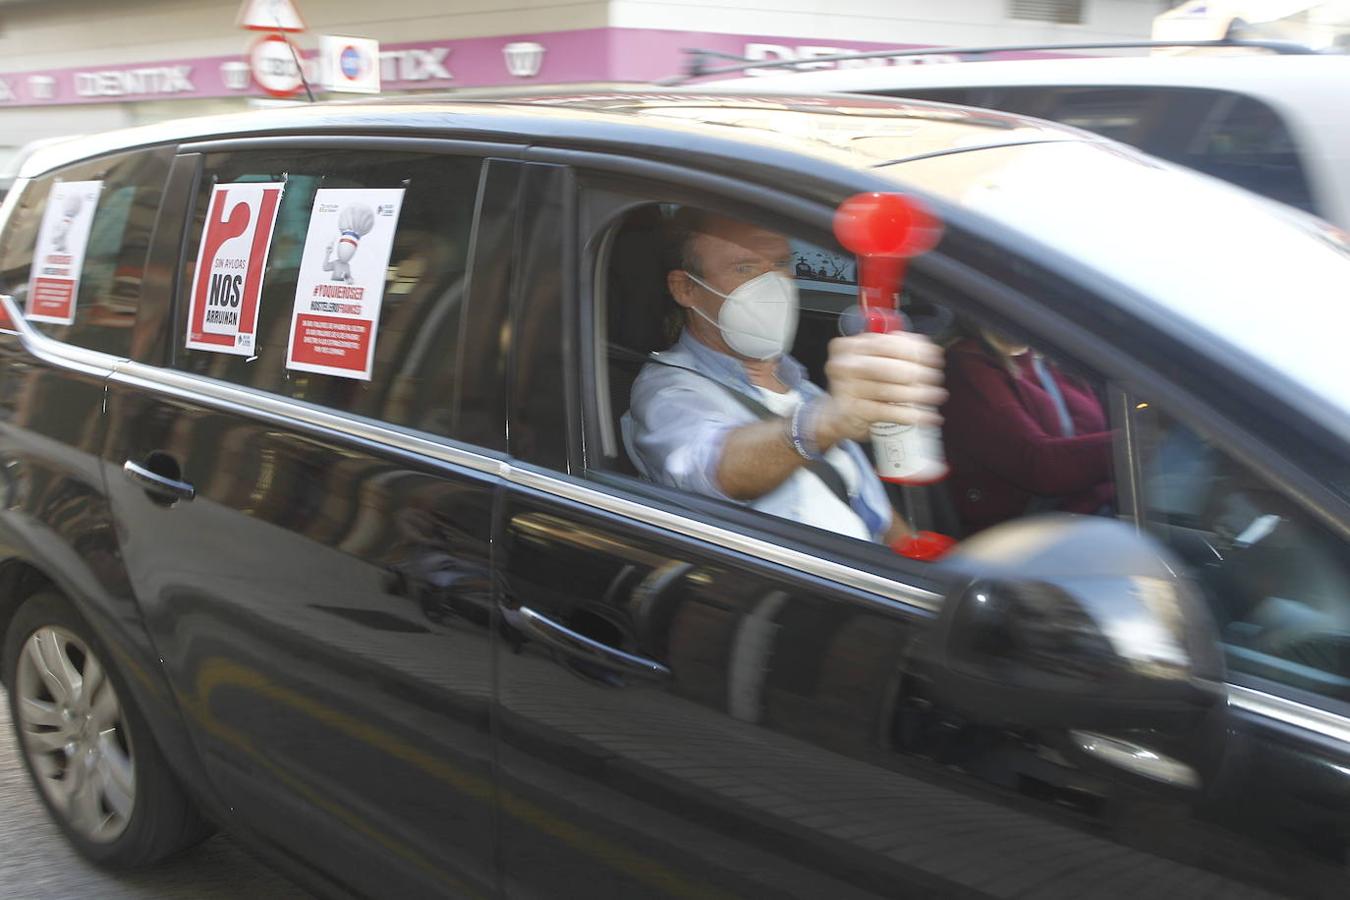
[227, 283]
[341, 281]
[59, 255]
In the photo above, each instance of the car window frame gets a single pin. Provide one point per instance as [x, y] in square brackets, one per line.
[698, 517]
[169, 328]
[966, 267]
[632, 179]
[152, 336]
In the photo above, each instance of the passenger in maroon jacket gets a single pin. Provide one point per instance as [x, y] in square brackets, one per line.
[1021, 436]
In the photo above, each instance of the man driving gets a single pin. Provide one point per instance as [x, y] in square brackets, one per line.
[726, 412]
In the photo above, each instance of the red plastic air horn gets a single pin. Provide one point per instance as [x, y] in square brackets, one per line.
[885, 230]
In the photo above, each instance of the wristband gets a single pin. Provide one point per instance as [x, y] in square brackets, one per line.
[802, 432]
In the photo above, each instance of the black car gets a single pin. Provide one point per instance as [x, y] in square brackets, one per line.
[362, 570]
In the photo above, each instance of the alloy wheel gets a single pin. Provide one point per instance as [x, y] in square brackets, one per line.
[73, 734]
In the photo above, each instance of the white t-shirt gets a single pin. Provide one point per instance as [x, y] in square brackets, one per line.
[819, 505]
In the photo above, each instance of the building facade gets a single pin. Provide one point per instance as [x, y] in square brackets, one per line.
[78, 66]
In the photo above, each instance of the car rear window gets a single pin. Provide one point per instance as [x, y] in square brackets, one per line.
[123, 192]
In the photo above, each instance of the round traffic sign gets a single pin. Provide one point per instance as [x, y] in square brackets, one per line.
[273, 62]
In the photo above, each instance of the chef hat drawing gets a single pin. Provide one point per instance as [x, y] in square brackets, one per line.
[72, 205]
[355, 222]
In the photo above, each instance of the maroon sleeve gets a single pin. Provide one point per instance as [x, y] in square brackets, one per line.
[986, 423]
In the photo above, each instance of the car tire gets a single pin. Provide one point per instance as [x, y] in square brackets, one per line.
[88, 750]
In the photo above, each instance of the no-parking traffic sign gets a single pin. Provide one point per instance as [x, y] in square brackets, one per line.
[276, 65]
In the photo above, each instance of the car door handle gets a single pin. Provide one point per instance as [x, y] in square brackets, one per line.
[159, 485]
[560, 637]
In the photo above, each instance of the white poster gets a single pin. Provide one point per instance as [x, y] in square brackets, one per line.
[341, 281]
[59, 257]
[227, 283]
[824, 270]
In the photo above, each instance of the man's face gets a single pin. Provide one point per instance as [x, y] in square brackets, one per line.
[727, 254]
[731, 253]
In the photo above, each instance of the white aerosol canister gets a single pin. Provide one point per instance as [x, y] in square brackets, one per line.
[908, 454]
[905, 454]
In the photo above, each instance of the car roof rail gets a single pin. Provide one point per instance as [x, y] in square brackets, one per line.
[700, 63]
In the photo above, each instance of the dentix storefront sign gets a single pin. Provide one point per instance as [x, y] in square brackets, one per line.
[558, 57]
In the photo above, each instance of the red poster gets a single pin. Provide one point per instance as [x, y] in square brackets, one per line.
[227, 284]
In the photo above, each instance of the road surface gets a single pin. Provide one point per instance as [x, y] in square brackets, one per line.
[36, 863]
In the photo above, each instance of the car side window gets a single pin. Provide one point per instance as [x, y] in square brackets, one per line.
[1123, 114]
[124, 194]
[1276, 580]
[1244, 141]
[413, 375]
[958, 96]
[1024, 432]
[672, 397]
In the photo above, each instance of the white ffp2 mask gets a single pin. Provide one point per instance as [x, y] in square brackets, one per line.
[758, 319]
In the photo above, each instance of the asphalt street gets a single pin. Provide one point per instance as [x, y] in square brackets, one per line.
[36, 863]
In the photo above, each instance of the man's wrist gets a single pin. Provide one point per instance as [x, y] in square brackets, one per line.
[827, 425]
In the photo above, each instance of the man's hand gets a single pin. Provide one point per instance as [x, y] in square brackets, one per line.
[873, 378]
[894, 377]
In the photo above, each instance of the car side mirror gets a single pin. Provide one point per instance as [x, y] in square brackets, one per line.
[1090, 634]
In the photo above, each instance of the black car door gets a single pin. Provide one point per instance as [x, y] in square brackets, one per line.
[311, 552]
[696, 699]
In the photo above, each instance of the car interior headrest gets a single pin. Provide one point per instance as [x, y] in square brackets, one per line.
[638, 303]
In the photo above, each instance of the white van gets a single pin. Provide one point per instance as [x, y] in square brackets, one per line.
[1277, 125]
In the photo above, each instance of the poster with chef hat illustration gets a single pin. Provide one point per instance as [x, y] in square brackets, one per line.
[341, 281]
[59, 257]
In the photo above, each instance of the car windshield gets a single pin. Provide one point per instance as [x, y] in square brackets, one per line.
[1258, 276]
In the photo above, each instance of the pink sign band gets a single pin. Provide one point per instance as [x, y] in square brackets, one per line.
[586, 55]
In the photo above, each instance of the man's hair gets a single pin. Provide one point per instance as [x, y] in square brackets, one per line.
[684, 228]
